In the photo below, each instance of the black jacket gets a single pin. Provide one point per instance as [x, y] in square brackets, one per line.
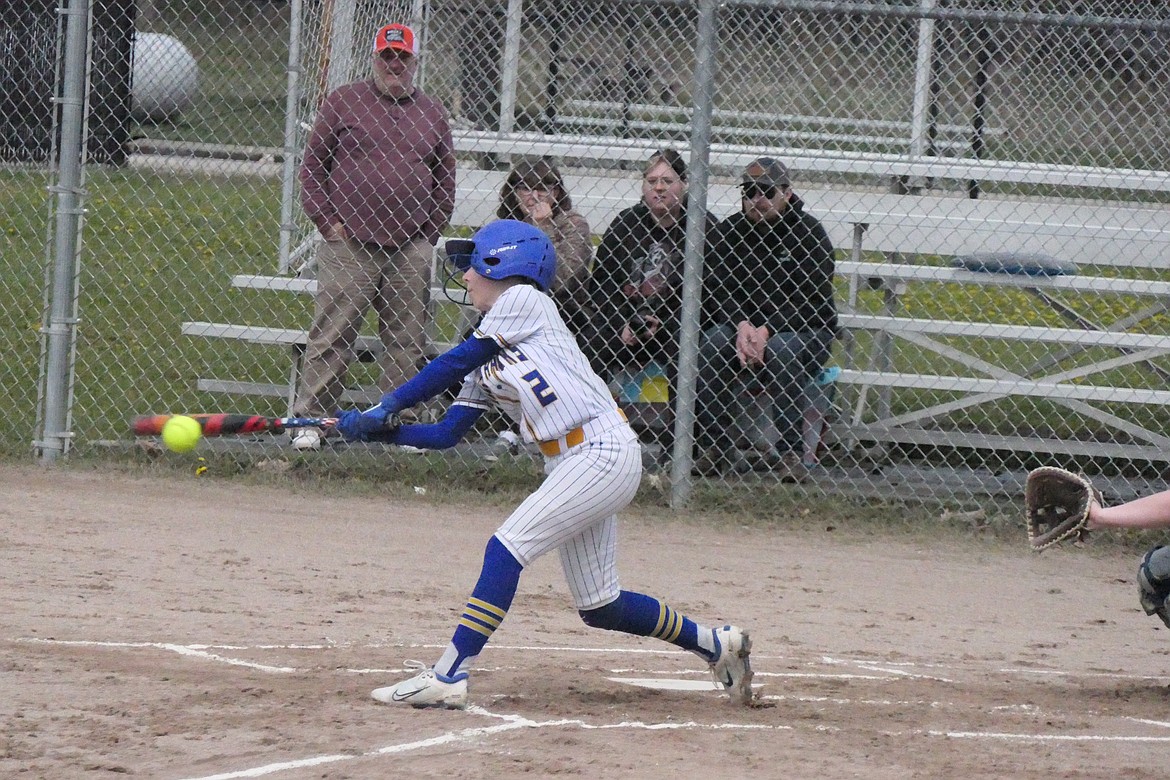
[778, 274]
[633, 243]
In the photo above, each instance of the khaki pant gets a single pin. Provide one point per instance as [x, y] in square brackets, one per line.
[352, 277]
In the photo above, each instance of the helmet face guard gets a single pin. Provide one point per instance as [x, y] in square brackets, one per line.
[503, 249]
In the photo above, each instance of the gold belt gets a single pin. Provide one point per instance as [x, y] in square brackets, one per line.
[554, 447]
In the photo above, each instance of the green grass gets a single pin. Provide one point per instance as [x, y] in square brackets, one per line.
[159, 250]
[23, 215]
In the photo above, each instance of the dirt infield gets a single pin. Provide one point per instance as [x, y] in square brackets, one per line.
[173, 628]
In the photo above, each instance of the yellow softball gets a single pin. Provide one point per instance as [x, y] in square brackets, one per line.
[181, 433]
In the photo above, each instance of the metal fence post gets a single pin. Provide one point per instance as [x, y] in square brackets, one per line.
[291, 139]
[511, 65]
[684, 422]
[60, 321]
[342, 21]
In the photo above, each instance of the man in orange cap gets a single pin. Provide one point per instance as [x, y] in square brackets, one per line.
[378, 180]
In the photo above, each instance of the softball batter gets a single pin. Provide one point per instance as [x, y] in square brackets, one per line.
[522, 359]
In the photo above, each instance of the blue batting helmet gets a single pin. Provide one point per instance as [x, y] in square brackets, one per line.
[505, 249]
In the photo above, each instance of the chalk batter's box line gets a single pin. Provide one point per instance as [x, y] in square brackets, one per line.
[887, 675]
[202, 651]
[474, 735]
[890, 669]
[513, 722]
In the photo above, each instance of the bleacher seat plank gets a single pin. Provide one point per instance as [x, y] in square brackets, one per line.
[352, 396]
[992, 330]
[941, 274]
[736, 156]
[1025, 387]
[887, 434]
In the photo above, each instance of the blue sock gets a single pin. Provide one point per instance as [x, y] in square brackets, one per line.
[489, 603]
[641, 615]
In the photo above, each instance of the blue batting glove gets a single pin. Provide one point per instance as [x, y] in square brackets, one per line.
[347, 424]
[355, 425]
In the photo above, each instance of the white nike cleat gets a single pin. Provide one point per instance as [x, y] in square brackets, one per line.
[426, 689]
[731, 668]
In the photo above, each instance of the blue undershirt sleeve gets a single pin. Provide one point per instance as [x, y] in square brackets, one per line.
[445, 371]
[447, 432]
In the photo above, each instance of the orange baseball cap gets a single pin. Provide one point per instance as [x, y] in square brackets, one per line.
[396, 36]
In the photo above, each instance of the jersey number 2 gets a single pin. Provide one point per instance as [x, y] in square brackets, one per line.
[540, 388]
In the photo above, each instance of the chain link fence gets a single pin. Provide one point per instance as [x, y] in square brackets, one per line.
[992, 178]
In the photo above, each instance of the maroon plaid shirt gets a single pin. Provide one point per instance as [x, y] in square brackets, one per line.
[384, 168]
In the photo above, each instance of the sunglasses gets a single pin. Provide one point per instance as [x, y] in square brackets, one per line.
[751, 191]
[388, 56]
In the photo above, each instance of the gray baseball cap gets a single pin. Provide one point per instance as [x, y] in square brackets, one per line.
[767, 172]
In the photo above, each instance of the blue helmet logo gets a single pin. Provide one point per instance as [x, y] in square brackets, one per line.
[506, 249]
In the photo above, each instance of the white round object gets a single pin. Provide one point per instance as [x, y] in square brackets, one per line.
[164, 77]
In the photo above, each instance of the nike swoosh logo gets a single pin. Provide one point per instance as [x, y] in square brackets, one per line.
[396, 696]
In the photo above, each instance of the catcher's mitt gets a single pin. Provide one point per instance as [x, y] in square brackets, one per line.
[1056, 504]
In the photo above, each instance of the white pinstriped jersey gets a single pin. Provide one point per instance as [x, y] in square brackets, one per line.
[540, 378]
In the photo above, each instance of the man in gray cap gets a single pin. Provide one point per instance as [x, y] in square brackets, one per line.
[774, 266]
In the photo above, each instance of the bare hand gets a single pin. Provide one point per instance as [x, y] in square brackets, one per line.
[652, 325]
[750, 344]
[643, 327]
[336, 232]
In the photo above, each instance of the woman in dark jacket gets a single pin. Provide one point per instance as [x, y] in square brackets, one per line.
[636, 286]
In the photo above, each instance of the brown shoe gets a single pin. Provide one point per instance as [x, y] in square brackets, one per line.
[791, 469]
[710, 463]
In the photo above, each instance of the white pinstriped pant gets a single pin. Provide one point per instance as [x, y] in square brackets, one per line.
[575, 511]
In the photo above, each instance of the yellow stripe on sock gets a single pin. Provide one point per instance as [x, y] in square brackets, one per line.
[664, 623]
[486, 607]
[677, 628]
[663, 614]
[490, 620]
[475, 627]
[669, 625]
